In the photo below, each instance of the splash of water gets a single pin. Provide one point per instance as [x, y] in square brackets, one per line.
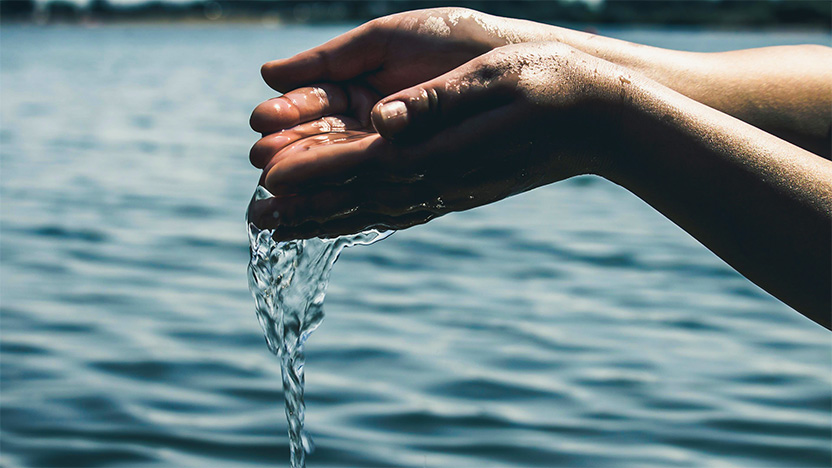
[288, 281]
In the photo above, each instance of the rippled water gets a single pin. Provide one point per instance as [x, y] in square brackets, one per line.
[569, 326]
[288, 281]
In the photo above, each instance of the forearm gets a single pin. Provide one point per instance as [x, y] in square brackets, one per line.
[786, 90]
[760, 203]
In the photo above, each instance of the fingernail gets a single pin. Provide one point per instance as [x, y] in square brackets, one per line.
[394, 116]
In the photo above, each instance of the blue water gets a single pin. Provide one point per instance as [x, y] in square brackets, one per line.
[569, 326]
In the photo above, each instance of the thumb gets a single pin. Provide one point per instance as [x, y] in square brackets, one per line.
[418, 112]
[342, 58]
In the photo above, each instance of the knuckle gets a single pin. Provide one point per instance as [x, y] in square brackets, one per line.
[428, 99]
[254, 157]
[321, 97]
[490, 70]
[374, 24]
[255, 121]
[257, 155]
[322, 56]
[495, 64]
[375, 28]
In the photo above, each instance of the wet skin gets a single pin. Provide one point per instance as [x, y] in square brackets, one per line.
[784, 90]
[393, 135]
[492, 138]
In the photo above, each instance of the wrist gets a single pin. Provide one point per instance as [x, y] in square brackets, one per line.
[621, 114]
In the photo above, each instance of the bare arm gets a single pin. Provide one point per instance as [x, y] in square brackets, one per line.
[785, 90]
[670, 126]
[760, 203]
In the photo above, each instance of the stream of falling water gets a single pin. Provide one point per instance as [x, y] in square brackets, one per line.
[288, 281]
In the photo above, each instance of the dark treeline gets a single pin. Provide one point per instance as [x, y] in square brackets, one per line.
[724, 13]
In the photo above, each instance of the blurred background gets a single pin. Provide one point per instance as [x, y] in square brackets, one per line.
[568, 326]
[713, 13]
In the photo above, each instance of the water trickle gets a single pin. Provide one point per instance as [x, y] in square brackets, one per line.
[288, 281]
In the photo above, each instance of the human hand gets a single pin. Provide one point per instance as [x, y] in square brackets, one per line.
[379, 58]
[397, 51]
[510, 120]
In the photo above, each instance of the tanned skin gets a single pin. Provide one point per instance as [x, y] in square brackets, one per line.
[419, 114]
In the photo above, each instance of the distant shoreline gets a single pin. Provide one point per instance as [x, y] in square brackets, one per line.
[264, 23]
[815, 15]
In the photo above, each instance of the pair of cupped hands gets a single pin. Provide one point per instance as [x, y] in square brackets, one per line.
[415, 115]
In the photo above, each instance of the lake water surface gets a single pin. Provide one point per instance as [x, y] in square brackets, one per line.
[569, 326]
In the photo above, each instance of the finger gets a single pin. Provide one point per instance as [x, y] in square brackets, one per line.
[362, 100]
[374, 201]
[417, 112]
[267, 147]
[324, 159]
[269, 214]
[363, 195]
[284, 211]
[347, 56]
[299, 106]
[446, 153]
[352, 224]
[334, 159]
